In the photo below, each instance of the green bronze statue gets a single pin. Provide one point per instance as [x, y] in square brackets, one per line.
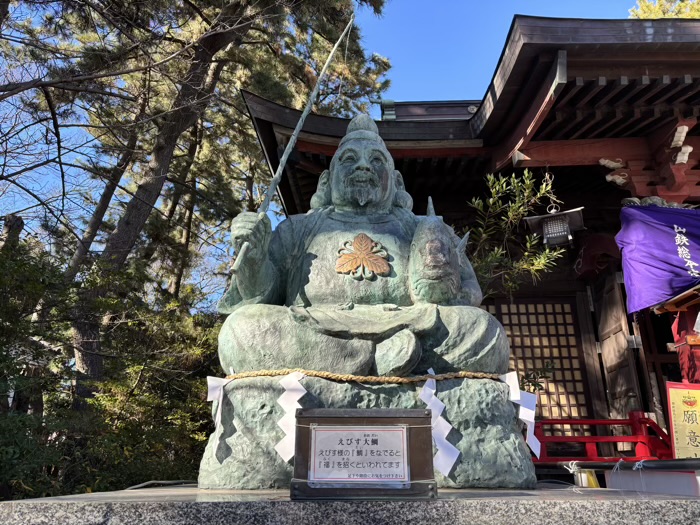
[359, 285]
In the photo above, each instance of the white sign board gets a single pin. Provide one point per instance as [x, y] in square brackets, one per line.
[353, 454]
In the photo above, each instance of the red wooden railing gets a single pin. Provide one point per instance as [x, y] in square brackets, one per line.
[655, 445]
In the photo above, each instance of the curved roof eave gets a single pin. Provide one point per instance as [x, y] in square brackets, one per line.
[531, 37]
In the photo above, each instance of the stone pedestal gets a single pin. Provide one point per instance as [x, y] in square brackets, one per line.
[493, 454]
[190, 506]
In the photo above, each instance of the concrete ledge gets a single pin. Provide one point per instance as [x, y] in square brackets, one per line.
[188, 505]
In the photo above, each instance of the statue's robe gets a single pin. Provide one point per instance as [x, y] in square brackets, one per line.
[310, 316]
[304, 250]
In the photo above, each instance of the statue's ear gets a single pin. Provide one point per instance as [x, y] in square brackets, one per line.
[401, 199]
[322, 197]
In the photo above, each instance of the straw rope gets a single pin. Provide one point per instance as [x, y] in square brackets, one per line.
[347, 378]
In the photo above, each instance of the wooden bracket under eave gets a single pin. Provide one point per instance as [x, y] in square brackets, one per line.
[532, 119]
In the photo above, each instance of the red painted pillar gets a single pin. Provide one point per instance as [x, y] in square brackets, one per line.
[639, 429]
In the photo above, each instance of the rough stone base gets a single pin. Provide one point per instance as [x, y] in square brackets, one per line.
[241, 455]
[189, 506]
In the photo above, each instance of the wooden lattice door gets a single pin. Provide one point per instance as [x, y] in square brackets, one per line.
[543, 331]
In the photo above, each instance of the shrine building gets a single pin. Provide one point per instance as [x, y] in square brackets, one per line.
[610, 108]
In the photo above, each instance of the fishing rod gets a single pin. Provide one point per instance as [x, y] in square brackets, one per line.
[262, 211]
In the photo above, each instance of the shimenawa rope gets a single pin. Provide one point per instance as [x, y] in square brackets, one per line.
[347, 378]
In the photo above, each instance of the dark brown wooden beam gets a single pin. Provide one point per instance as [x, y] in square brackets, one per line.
[595, 88]
[584, 152]
[612, 121]
[647, 183]
[684, 82]
[618, 130]
[615, 88]
[574, 122]
[529, 124]
[329, 150]
[591, 122]
[551, 124]
[692, 91]
[660, 84]
[639, 85]
[649, 115]
[570, 92]
[670, 136]
[654, 65]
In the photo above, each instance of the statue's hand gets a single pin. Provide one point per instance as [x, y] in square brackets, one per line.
[250, 236]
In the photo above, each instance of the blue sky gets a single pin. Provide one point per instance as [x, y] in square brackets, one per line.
[449, 49]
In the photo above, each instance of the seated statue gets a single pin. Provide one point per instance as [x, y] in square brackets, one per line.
[360, 285]
[360, 277]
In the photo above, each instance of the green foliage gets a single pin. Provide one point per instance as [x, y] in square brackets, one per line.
[666, 9]
[113, 72]
[502, 255]
[26, 274]
[25, 456]
[148, 419]
[152, 415]
[532, 381]
[28, 366]
[27, 362]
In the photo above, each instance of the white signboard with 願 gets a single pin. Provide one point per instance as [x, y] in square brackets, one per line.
[353, 454]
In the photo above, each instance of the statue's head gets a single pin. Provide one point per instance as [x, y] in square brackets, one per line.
[362, 177]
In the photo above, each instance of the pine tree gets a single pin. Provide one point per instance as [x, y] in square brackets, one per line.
[112, 93]
[666, 9]
[126, 146]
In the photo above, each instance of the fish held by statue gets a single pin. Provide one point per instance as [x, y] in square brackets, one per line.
[434, 261]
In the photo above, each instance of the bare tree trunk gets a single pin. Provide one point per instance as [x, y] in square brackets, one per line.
[195, 90]
[10, 232]
[178, 191]
[181, 260]
[251, 205]
[115, 176]
[90, 366]
[29, 399]
[4, 11]
[98, 214]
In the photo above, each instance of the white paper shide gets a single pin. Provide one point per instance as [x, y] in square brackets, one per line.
[289, 401]
[447, 453]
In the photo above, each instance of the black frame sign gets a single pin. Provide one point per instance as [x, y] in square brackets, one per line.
[363, 454]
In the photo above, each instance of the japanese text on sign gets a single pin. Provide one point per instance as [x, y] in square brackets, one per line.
[684, 401]
[357, 454]
[684, 251]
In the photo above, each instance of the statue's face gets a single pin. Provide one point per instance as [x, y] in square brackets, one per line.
[362, 177]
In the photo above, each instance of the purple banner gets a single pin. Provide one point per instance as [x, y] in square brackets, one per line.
[660, 253]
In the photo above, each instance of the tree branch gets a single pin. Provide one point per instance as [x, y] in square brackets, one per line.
[197, 10]
[46, 207]
[59, 147]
